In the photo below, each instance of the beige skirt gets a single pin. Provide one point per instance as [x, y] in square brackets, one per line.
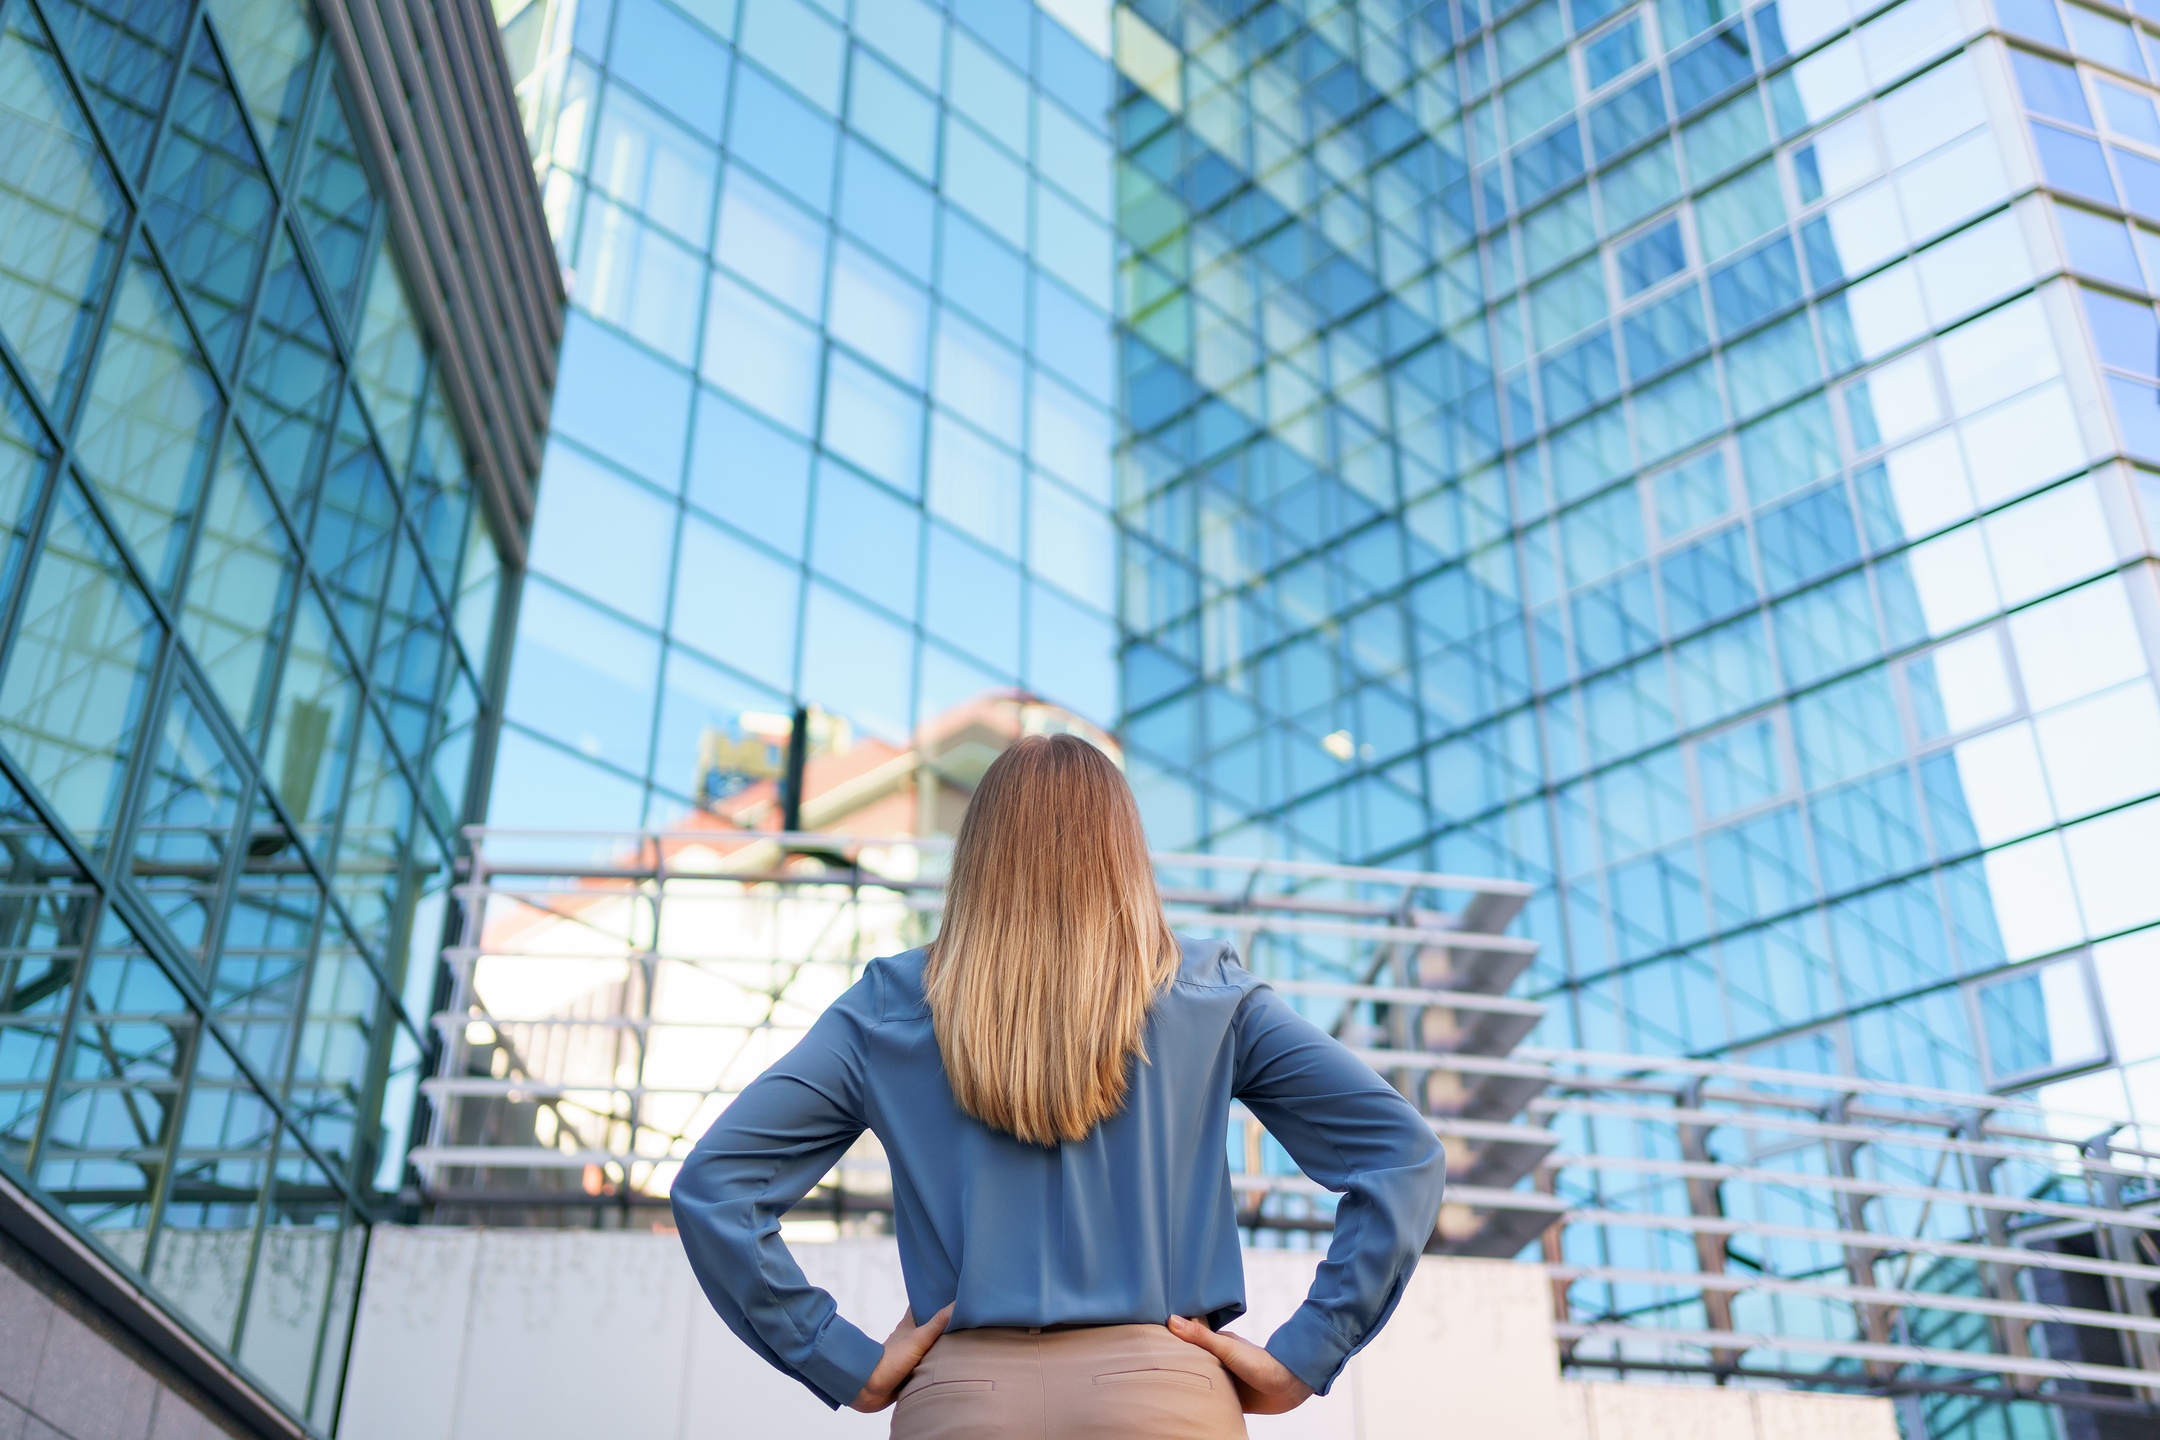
[1106, 1382]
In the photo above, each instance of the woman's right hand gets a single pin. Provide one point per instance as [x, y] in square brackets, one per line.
[904, 1350]
[1265, 1385]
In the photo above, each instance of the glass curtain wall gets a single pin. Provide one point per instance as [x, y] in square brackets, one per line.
[1688, 459]
[834, 420]
[247, 602]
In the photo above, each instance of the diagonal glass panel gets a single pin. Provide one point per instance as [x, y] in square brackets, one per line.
[46, 904]
[337, 1040]
[337, 203]
[390, 366]
[262, 953]
[378, 828]
[210, 203]
[184, 825]
[353, 526]
[270, 45]
[206, 1232]
[306, 1246]
[103, 1152]
[150, 421]
[124, 52]
[311, 727]
[450, 765]
[78, 672]
[238, 583]
[61, 213]
[409, 650]
[25, 460]
[438, 492]
[291, 382]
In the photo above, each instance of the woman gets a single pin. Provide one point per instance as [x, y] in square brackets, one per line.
[1051, 1080]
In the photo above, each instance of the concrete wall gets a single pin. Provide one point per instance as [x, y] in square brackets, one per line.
[513, 1334]
[68, 1372]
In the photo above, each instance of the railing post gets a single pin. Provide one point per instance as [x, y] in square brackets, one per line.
[2013, 1335]
[1706, 1199]
[1875, 1319]
[2122, 1244]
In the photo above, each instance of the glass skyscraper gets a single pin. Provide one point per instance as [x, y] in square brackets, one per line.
[1692, 461]
[1702, 461]
[836, 415]
[263, 494]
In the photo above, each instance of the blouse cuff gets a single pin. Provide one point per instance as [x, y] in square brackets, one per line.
[840, 1364]
[1310, 1349]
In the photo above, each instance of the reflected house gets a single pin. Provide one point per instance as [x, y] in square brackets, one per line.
[271, 402]
[614, 1015]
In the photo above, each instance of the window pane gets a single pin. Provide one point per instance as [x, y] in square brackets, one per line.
[583, 678]
[262, 956]
[376, 832]
[79, 672]
[337, 1038]
[390, 364]
[307, 1249]
[103, 1153]
[124, 52]
[49, 908]
[206, 1232]
[438, 492]
[291, 381]
[150, 420]
[60, 213]
[237, 585]
[350, 543]
[211, 202]
[270, 44]
[184, 825]
[311, 727]
[337, 204]
[409, 650]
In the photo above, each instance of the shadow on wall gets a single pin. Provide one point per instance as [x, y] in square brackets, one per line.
[508, 1334]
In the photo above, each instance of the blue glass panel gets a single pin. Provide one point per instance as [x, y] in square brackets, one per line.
[61, 214]
[292, 380]
[78, 671]
[583, 677]
[673, 61]
[337, 203]
[2051, 88]
[1668, 333]
[1544, 167]
[210, 201]
[1708, 581]
[2140, 181]
[622, 401]
[2033, 18]
[866, 538]
[749, 473]
[355, 523]
[1633, 115]
[124, 50]
[2074, 163]
[1755, 286]
[1710, 67]
[789, 142]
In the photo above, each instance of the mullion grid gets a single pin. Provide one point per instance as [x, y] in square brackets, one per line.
[170, 661]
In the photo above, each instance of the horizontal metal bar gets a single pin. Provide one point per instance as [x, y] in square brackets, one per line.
[1856, 1185]
[521, 1157]
[1693, 1118]
[1452, 1060]
[1876, 1241]
[1864, 1350]
[1363, 874]
[1411, 996]
[1732, 1282]
[1798, 1079]
[1427, 936]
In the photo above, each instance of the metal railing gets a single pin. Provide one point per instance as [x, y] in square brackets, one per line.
[610, 993]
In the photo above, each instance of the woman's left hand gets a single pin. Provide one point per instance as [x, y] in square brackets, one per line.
[904, 1349]
[1265, 1385]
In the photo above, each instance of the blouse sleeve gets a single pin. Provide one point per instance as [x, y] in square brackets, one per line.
[775, 1141]
[1350, 1131]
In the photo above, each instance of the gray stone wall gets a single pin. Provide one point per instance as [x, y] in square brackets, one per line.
[68, 1372]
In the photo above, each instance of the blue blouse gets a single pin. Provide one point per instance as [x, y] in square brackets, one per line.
[1132, 1225]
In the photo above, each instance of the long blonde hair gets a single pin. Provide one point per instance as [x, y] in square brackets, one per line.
[1054, 944]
